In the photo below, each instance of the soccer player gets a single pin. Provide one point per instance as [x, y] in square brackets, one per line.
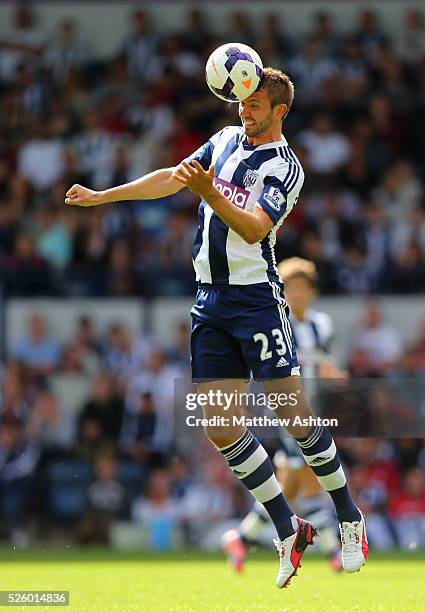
[313, 336]
[248, 180]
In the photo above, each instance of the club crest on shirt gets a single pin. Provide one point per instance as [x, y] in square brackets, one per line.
[275, 198]
[249, 178]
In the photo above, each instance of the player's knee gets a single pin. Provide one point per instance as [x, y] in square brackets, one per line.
[222, 436]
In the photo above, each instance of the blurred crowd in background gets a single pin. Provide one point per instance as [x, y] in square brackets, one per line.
[88, 438]
[67, 116]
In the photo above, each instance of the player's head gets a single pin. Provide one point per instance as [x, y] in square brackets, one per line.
[266, 108]
[300, 279]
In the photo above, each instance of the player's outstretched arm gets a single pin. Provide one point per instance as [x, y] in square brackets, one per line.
[157, 184]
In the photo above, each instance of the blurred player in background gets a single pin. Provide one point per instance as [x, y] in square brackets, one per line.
[313, 334]
[249, 179]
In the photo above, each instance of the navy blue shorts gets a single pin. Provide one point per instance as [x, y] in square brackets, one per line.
[238, 330]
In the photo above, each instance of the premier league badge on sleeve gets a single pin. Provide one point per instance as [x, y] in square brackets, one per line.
[275, 198]
[249, 178]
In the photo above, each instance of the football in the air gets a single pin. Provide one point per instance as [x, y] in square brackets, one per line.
[234, 71]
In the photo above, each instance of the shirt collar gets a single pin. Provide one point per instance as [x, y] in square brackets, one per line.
[268, 145]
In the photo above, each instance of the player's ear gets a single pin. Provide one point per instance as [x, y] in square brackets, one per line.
[281, 110]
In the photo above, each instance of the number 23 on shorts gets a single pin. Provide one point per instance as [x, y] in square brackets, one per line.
[279, 340]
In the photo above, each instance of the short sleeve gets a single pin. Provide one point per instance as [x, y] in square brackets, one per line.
[273, 198]
[281, 190]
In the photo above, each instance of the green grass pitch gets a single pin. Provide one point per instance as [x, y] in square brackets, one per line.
[190, 581]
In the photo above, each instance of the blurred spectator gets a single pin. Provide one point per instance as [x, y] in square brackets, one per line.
[411, 40]
[41, 158]
[106, 502]
[399, 192]
[353, 72]
[157, 510]
[139, 46]
[368, 33]
[54, 240]
[196, 34]
[21, 43]
[310, 70]
[407, 509]
[158, 378]
[91, 440]
[37, 351]
[18, 461]
[180, 352]
[327, 148]
[105, 407]
[140, 432]
[359, 364]
[380, 340]
[373, 478]
[419, 346]
[408, 270]
[122, 277]
[352, 274]
[52, 429]
[13, 392]
[85, 335]
[207, 501]
[148, 117]
[95, 149]
[334, 210]
[377, 241]
[117, 352]
[240, 28]
[174, 57]
[409, 229]
[274, 30]
[312, 248]
[66, 50]
[324, 31]
[23, 272]
[85, 347]
[8, 229]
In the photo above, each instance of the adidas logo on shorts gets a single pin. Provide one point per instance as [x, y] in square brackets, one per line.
[282, 362]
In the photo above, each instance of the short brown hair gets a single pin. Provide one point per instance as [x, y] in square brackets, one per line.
[296, 267]
[279, 87]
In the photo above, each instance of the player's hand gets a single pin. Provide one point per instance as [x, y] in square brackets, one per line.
[82, 196]
[195, 178]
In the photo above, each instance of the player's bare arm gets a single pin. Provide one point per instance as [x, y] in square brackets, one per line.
[157, 184]
[251, 226]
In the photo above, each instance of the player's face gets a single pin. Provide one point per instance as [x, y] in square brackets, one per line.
[299, 294]
[257, 116]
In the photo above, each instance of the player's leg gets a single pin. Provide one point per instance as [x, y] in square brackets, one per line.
[314, 507]
[245, 455]
[304, 493]
[320, 453]
[253, 524]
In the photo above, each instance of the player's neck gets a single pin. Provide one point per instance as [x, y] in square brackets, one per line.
[272, 135]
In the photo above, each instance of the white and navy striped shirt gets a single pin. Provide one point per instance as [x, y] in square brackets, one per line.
[313, 339]
[269, 176]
